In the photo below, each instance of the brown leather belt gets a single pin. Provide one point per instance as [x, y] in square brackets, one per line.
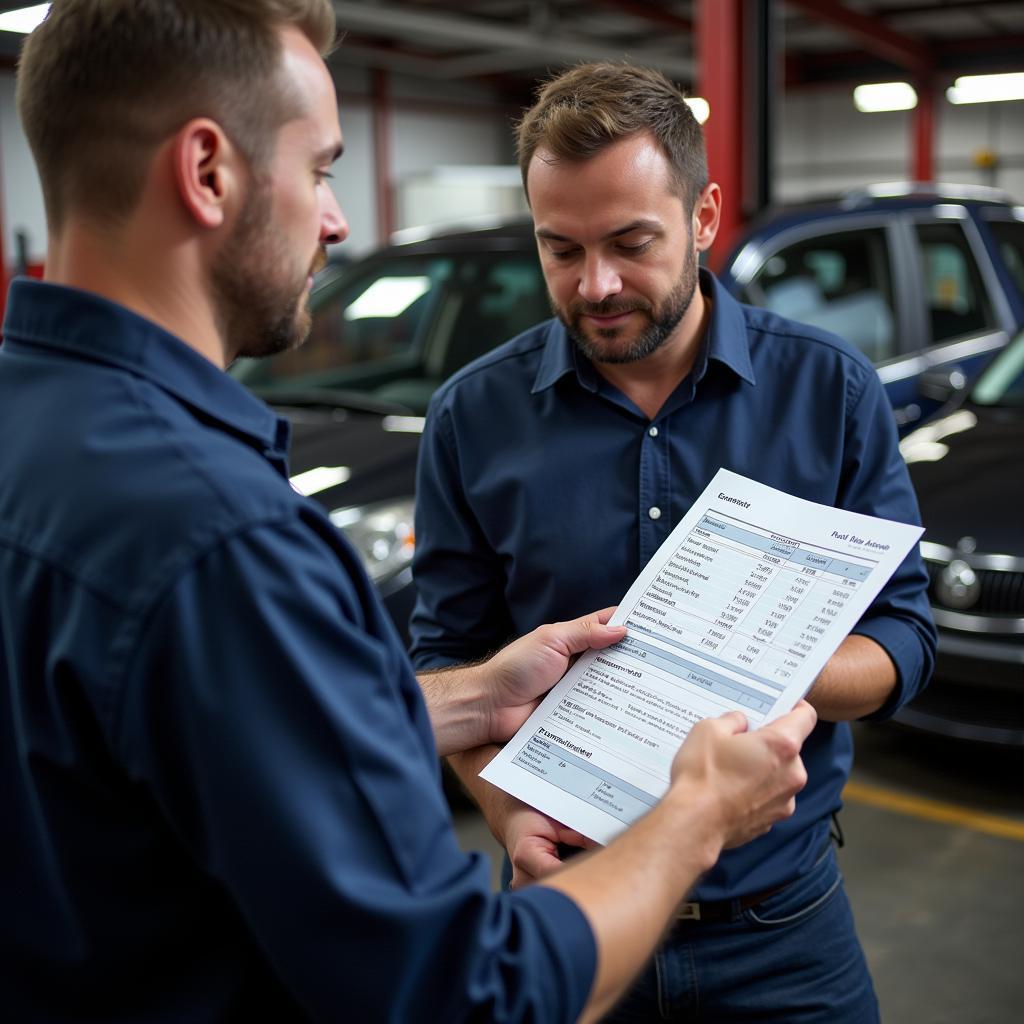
[724, 910]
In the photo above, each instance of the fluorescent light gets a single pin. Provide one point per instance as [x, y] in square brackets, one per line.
[987, 88]
[872, 99]
[23, 20]
[313, 481]
[700, 107]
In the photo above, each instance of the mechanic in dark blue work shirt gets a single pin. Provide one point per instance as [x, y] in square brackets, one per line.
[218, 775]
[581, 443]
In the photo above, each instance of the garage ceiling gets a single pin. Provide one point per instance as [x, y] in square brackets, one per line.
[509, 43]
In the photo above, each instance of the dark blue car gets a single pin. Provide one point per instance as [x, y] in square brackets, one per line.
[928, 281]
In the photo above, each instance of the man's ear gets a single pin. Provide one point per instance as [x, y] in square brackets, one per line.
[707, 214]
[206, 170]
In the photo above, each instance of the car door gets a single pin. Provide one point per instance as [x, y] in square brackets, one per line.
[958, 307]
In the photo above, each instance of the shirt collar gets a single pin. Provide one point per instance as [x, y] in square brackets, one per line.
[727, 343]
[88, 326]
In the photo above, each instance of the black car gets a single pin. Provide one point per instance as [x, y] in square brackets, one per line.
[387, 331]
[968, 468]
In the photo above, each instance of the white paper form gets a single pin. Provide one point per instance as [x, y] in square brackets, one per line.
[740, 608]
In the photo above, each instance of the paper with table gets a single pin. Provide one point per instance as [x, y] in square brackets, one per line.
[741, 607]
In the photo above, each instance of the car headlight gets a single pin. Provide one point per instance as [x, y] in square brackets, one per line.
[382, 535]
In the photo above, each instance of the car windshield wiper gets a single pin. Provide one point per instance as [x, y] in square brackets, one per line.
[329, 398]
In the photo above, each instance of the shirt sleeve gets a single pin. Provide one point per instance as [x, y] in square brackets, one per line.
[875, 481]
[461, 612]
[277, 723]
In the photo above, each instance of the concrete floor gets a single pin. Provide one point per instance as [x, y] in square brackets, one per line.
[938, 894]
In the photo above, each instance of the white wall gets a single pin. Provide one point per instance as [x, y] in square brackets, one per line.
[22, 207]
[825, 145]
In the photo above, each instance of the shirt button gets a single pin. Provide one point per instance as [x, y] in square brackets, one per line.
[653, 432]
[654, 512]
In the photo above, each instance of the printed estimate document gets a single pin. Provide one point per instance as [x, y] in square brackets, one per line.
[739, 609]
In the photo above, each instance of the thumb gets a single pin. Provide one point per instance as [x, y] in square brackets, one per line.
[588, 631]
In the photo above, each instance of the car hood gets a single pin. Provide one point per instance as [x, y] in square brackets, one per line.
[377, 451]
[971, 484]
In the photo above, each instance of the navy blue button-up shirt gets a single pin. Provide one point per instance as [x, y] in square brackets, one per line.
[218, 782]
[543, 491]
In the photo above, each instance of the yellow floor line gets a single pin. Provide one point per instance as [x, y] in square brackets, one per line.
[933, 810]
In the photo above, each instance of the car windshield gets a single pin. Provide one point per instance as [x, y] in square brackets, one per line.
[1002, 383]
[392, 327]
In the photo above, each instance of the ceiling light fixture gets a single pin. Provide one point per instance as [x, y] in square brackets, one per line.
[24, 19]
[880, 96]
[700, 107]
[987, 88]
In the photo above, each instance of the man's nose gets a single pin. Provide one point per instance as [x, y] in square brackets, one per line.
[599, 280]
[333, 226]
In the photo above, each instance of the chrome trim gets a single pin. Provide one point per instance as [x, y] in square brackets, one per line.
[986, 624]
[930, 722]
[897, 369]
[982, 649]
[932, 552]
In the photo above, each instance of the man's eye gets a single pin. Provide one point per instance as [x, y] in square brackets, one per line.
[322, 176]
[635, 250]
[562, 254]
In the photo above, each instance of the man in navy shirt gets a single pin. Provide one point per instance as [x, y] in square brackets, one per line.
[553, 468]
[218, 774]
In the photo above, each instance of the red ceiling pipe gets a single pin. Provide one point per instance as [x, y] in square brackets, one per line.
[720, 66]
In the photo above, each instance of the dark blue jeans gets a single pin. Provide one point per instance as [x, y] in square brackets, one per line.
[793, 959]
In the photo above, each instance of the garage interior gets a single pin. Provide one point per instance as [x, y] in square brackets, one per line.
[428, 90]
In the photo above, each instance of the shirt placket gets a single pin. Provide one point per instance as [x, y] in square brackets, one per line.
[654, 498]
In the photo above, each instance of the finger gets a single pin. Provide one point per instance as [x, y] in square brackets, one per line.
[537, 861]
[734, 721]
[587, 632]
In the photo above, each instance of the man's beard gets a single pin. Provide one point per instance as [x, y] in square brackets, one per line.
[662, 320]
[258, 313]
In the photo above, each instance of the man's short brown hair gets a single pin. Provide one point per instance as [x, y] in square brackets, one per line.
[591, 106]
[101, 83]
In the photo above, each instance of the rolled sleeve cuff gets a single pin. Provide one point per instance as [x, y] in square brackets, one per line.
[907, 654]
[570, 944]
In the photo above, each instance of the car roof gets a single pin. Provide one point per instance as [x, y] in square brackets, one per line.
[886, 196]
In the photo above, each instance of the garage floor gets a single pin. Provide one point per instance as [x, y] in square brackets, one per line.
[934, 865]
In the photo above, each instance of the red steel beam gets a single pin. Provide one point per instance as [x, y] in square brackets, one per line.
[923, 119]
[873, 34]
[720, 73]
[382, 156]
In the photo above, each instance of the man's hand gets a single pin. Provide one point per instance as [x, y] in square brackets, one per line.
[473, 705]
[521, 673]
[532, 840]
[754, 776]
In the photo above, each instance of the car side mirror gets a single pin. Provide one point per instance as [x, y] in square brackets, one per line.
[941, 385]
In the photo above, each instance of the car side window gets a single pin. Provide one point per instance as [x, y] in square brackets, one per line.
[840, 282]
[362, 326]
[957, 302]
[1009, 235]
[501, 298]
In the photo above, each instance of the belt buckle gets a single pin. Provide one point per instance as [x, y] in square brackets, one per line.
[688, 912]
